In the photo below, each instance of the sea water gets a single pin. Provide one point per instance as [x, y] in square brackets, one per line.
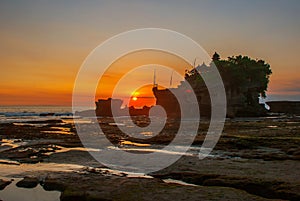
[19, 114]
[14, 193]
[26, 113]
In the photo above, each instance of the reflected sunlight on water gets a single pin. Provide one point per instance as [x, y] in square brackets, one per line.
[126, 142]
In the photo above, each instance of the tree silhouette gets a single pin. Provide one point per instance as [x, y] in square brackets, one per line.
[247, 77]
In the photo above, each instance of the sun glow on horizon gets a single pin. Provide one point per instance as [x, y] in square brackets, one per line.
[44, 44]
[130, 78]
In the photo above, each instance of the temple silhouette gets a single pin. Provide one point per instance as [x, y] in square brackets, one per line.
[244, 79]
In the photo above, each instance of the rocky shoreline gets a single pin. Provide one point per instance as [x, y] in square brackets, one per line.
[255, 159]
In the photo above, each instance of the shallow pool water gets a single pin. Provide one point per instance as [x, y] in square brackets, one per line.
[14, 193]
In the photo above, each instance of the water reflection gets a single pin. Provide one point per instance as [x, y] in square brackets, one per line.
[14, 193]
[127, 142]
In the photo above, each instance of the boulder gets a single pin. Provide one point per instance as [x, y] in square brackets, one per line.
[28, 182]
[4, 183]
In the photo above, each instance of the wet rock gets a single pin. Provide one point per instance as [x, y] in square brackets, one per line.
[47, 114]
[30, 154]
[274, 156]
[256, 187]
[96, 187]
[9, 162]
[49, 121]
[255, 159]
[69, 195]
[296, 152]
[50, 184]
[270, 189]
[4, 183]
[297, 157]
[291, 151]
[31, 160]
[28, 182]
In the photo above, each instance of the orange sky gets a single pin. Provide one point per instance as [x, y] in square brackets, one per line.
[43, 44]
[141, 81]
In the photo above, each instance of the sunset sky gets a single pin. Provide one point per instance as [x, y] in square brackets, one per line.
[44, 43]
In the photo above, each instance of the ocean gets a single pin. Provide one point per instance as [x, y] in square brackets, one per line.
[21, 114]
[24, 113]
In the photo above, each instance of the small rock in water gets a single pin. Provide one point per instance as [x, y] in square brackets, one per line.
[28, 182]
[4, 183]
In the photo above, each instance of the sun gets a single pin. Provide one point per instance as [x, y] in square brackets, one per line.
[141, 97]
[135, 93]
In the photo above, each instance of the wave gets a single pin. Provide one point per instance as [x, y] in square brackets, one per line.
[34, 114]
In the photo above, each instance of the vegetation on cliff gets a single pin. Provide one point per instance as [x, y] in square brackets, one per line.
[243, 77]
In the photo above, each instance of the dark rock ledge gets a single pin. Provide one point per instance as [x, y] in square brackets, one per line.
[4, 183]
[87, 186]
[271, 189]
